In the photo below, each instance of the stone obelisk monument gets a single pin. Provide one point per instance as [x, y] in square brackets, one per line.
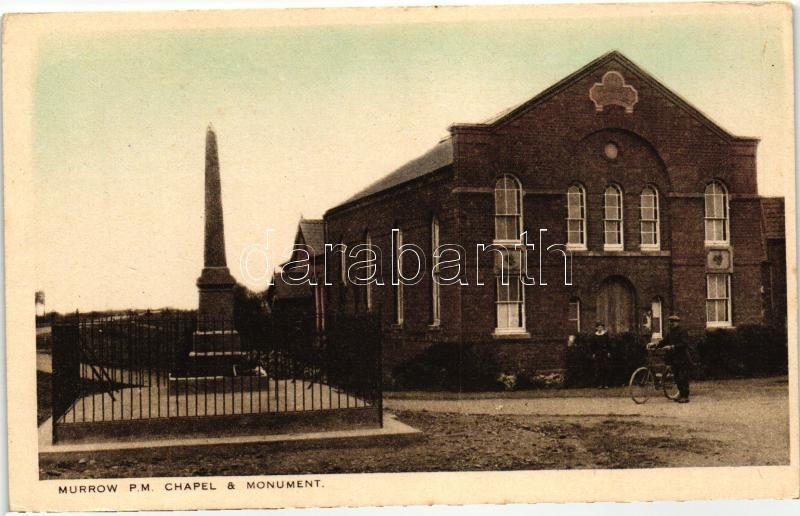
[215, 330]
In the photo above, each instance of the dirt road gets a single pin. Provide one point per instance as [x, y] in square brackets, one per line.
[730, 423]
[749, 419]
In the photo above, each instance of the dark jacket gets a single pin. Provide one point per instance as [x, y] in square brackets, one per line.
[601, 345]
[679, 339]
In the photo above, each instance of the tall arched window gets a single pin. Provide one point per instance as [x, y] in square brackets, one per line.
[576, 217]
[574, 316]
[319, 306]
[507, 208]
[649, 223]
[612, 218]
[371, 265]
[343, 262]
[436, 304]
[510, 301]
[399, 298]
[656, 320]
[717, 215]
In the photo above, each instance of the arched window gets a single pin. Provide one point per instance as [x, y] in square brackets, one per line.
[717, 215]
[342, 262]
[510, 301]
[319, 306]
[399, 300]
[507, 208]
[436, 304]
[574, 316]
[656, 320]
[649, 223]
[371, 265]
[612, 218]
[576, 217]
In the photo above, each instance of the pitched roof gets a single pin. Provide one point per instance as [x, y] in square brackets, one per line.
[439, 156]
[442, 154]
[773, 216]
[603, 61]
[313, 231]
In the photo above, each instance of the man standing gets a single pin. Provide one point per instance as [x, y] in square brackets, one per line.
[601, 354]
[676, 344]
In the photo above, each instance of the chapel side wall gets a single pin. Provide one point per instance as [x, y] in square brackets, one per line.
[410, 209]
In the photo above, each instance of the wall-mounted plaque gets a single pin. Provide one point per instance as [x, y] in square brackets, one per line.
[510, 260]
[719, 260]
[612, 90]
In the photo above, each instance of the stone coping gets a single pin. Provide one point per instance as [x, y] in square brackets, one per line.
[393, 432]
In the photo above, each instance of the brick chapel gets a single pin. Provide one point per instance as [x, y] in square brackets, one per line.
[636, 203]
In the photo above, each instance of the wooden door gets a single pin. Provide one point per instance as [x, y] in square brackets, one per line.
[616, 305]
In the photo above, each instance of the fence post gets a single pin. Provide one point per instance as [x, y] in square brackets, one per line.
[66, 368]
[379, 338]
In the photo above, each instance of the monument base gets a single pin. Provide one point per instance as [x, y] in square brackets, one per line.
[216, 341]
[214, 354]
[182, 385]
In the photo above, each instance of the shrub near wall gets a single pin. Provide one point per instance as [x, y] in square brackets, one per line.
[749, 350]
[627, 353]
[746, 351]
[449, 366]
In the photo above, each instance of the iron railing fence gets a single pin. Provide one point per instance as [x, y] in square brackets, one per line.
[141, 366]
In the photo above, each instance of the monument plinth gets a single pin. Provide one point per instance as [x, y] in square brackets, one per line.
[216, 346]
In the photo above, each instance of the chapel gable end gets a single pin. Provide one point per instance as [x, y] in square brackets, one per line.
[540, 137]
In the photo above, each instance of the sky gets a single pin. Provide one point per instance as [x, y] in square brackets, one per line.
[306, 116]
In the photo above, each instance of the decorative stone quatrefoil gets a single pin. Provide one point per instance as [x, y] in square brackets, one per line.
[612, 90]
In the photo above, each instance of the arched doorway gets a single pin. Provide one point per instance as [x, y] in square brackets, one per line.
[616, 304]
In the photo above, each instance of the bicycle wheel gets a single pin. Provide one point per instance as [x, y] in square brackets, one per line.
[668, 384]
[640, 385]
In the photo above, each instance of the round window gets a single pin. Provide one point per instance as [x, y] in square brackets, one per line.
[611, 150]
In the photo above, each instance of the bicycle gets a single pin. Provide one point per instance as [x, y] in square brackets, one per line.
[653, 376]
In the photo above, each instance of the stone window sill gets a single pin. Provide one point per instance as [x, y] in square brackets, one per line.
[577, 247]
[720, 326]
[652, 253]
[511, 335]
